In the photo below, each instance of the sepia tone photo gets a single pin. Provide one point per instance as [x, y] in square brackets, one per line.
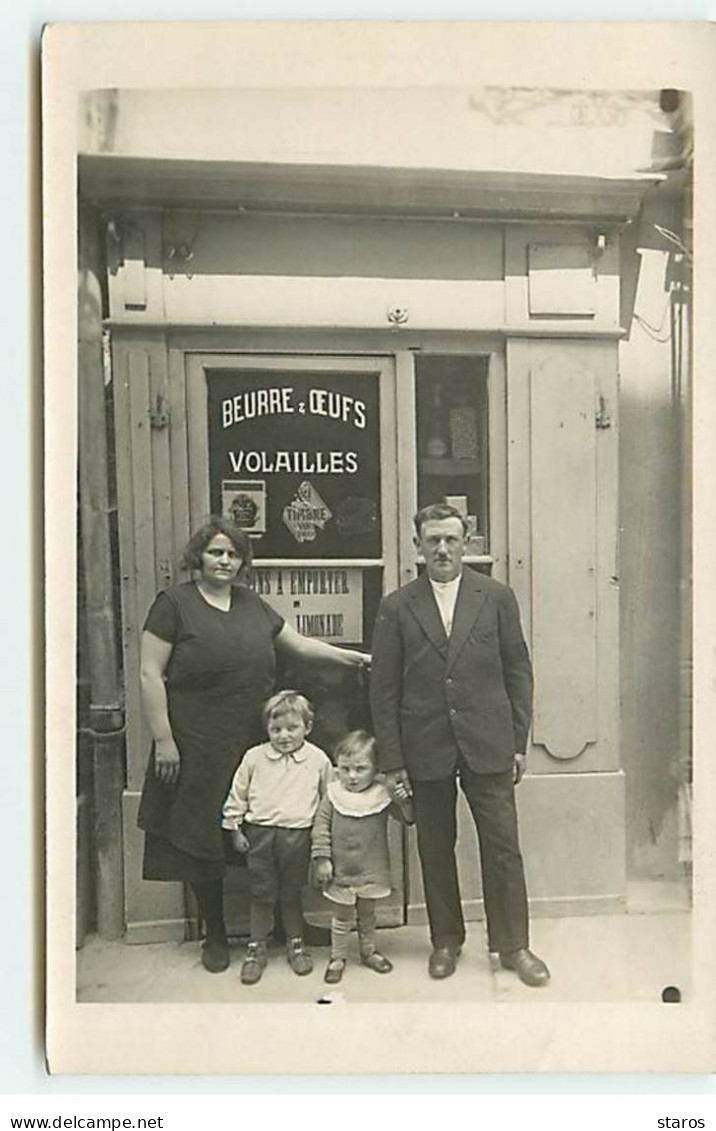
[384, 549]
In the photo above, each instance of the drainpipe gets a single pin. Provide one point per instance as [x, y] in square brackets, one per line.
[106, 709]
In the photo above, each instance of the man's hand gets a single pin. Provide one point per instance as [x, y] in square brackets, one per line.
[240, 841]
[398, 784]
[322, 872]
[518, 768]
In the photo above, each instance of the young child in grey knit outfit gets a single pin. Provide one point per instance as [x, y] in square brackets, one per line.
[350, 851]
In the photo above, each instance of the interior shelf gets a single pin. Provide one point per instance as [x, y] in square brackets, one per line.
[450, 467]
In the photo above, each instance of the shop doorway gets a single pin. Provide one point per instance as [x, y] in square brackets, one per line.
[324, 460]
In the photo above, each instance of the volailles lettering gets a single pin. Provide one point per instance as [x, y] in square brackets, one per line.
[297, 463]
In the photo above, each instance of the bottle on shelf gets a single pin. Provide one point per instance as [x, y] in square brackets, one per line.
[436, 445]
[463, 427]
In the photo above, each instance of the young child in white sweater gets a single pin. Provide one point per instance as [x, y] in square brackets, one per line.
[350, 851]
[269, 810]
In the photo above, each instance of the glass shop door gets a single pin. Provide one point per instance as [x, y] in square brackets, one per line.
[324, 460]
[453, 448]
[301, 453]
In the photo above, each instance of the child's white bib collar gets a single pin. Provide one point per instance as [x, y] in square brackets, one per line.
[374, 799]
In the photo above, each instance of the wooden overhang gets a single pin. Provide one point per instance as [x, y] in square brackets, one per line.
[119, 181]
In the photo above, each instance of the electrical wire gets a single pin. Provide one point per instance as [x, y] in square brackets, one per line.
[645, 321]
[648, 329]
[673, 238]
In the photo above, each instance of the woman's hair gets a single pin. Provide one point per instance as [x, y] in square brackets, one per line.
[357, 742]
[191, 558]
[285, 701]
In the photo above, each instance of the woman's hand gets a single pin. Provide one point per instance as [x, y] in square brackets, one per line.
[351, 658]
[519, 767]
[167, 761]
[240, 841]
[322, 872]
[307, 648]
[155, 656]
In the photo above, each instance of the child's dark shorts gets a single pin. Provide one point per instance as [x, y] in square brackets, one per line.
[278, 860]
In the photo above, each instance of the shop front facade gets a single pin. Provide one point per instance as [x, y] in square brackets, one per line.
[318, 370]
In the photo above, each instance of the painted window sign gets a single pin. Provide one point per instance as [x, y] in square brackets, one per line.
[324, 602]
[294, 460]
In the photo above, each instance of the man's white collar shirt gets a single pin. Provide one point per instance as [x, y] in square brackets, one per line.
[446, 596]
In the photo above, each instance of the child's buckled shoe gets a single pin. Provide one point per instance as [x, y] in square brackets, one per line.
[254, 964]
[334, 971]
[377, 962]
[298, 957]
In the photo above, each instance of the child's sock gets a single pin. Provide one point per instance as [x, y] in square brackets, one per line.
[369, 954]
[366, 927]
[341, 927]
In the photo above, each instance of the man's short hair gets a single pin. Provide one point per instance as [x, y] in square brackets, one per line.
[435, 512]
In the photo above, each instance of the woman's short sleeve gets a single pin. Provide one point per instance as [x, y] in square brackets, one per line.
[275, 619]
[162, 619]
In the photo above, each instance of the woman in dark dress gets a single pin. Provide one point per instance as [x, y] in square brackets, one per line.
[207, 665]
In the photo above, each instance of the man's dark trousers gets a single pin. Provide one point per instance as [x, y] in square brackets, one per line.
[492, 802]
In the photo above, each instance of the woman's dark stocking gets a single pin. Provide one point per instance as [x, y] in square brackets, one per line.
[210, 899]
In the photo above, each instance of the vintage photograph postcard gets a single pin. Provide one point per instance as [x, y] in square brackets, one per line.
[379, 519]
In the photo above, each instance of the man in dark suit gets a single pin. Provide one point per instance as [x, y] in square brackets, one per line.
[451, 694]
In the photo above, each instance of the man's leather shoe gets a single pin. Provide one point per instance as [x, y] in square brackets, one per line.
[527, 966]
[442, 961]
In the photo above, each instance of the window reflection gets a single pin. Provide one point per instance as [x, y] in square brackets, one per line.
[452, 439]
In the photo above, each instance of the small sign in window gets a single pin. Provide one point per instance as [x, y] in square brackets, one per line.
[320, 601]
[244, 502]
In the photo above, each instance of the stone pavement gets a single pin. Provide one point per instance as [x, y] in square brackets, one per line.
[631, 956]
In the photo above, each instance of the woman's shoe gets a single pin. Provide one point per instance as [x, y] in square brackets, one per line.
[334, 971]
[254, 964]
[377, 962]
[215, 955]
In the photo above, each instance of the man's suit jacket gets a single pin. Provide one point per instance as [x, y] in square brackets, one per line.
[434, 699]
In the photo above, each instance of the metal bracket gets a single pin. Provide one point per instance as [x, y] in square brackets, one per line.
[159, 415]
[105, 721]
[602, 418]
[398, 316]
